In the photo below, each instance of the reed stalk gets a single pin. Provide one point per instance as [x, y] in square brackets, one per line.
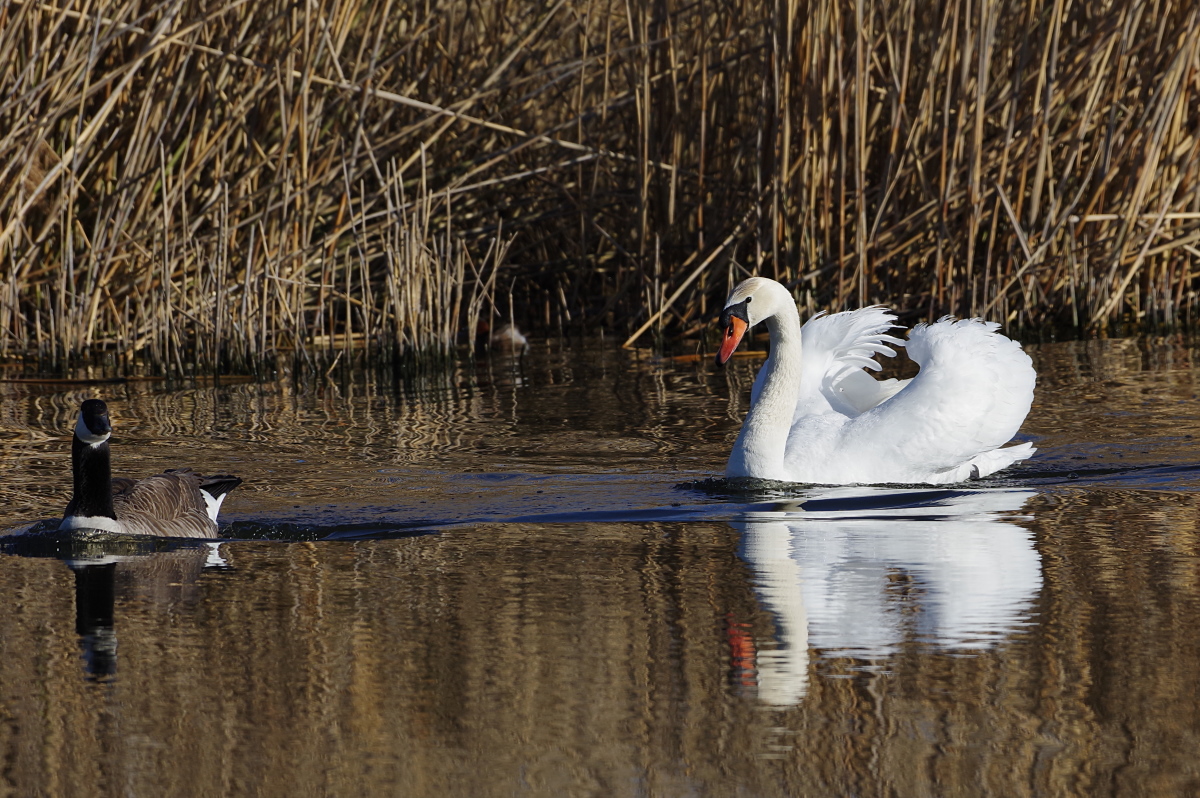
[208, 184]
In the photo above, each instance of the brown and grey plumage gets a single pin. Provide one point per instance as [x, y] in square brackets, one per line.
[178, 503]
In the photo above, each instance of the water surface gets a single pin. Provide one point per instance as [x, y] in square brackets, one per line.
[524, 579]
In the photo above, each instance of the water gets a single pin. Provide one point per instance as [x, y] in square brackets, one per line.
[524, 580]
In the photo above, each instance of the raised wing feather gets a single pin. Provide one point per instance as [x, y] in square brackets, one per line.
[860, 391]
[836, 350]
[973, 392]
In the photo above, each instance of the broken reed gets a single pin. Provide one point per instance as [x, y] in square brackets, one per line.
[180, 179]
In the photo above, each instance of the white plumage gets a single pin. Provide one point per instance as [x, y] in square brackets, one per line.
[817, 417]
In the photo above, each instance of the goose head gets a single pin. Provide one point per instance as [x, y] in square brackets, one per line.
[93, 427]
[753, 300]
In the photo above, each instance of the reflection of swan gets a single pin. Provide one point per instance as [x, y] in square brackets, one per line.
[177, 503]
[863, 581]
[782, 671]
[822, 419]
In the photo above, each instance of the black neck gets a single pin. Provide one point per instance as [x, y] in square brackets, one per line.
[93, 479]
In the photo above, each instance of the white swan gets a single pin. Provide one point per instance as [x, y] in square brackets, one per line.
[819, 418]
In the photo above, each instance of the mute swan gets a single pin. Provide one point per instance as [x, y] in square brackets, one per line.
[178, 503]
[818, 417]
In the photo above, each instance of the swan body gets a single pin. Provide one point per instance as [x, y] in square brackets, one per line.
[817, 417]
[177, 503]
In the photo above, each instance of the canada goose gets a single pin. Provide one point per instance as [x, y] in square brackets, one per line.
[178, 503]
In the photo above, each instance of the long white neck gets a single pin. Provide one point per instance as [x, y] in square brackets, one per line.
[762, 443]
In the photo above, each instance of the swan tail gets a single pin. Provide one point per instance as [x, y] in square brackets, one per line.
[988, 463]
[983, 464]
[996, 459]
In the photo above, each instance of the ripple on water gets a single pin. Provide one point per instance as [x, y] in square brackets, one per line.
[415, 576]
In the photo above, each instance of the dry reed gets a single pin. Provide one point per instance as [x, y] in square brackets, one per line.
[198, 184]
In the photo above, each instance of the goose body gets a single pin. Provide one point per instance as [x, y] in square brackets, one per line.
[178, 503]
[817, 417]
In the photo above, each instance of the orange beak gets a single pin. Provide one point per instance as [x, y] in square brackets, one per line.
[733, 336]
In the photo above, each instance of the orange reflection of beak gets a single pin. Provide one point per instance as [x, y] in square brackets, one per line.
[733, 336]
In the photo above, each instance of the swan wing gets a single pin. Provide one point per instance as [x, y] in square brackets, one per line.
[860, 391]
[972, 394]
[836, 350]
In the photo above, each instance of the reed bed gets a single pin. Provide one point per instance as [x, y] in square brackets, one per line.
[204, 184]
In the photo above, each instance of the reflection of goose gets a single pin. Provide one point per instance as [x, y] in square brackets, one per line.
[94, 601]
[948, 573]
[177, 503]
[104, 569]
[823, 419]
[151, 571]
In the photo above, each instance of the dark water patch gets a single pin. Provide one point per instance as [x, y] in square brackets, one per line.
[290, 531]
[1132, 470]
[928, 498]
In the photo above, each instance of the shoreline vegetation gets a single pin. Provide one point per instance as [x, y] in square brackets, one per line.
[204, 186]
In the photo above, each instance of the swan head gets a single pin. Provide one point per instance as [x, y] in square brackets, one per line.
[753, 300]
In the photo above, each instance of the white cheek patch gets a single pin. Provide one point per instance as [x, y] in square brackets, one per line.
[87, 436]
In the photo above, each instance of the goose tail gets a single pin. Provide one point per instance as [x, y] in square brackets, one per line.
[213, 489]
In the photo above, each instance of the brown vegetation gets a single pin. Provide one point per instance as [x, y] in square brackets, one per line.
[205, 183]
